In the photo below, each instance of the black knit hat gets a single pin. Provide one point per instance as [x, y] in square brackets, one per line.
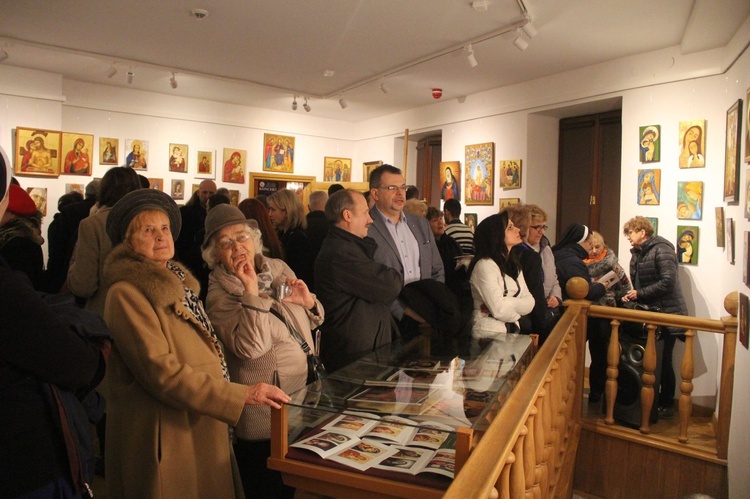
[133, 203]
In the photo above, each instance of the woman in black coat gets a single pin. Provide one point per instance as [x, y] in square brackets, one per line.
[570, 252]
[653, 272]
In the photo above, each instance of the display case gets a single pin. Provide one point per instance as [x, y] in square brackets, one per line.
[399, 421]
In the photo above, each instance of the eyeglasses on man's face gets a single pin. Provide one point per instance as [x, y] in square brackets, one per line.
[540, 228]
[227, 243]
[393, 188]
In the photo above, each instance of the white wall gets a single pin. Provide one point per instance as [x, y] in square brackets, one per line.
[659, 88]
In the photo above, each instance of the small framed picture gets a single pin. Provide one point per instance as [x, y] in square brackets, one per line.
[206, 160]
[747, 193]
[479, 166]
[747, 126]
[79, 188]
[470, 219]
[655, 222]
[746, 260]
[178, 158]
[234, 197]
[506, 202]
[743, 321]
[692, 144]
[37, 152]
[729, 239]
[510, 174]
[720, 226]
[156, 183]
[649, 187]
[234, 166]
[687, 244]
[650, 143]
[137, 157]
[78, 149]
[337, 169]
[368, 167]
[690, 200]
[450, 180]
[39, 195]
[732, 154]
[108, 150]
[178, 189]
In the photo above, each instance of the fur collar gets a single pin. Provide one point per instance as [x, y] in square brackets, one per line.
[157, 283]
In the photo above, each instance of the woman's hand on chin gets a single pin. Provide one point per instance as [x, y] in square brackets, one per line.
[265, 394]
[300, 294]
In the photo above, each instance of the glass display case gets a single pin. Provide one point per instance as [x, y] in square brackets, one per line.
[407, 415]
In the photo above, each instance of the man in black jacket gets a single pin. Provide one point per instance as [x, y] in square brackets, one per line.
[354, 289]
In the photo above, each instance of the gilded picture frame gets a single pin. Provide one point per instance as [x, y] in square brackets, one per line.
[77, 150]
[109, 150]
[234, 163]
[510, 173]
[732, 154]
[450, 180]
[39, 196]
[156, 183]
[368, 167]
[178, 158]
[479, 168]
[137, 157]
[206, 163]
[37, 152]
[507, 202]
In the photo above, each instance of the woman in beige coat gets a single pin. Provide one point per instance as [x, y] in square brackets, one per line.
[243, 300]
[171, 400]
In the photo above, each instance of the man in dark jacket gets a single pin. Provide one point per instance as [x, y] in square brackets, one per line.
[317, 226]
[653, 272]
[193, 218]
[354, 289]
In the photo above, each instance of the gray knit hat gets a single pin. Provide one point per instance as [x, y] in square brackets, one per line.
[134, 202]
[222, 216]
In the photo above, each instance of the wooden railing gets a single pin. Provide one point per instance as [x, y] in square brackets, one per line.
[529, 449]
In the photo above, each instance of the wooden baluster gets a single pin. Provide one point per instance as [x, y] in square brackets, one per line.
[549, 429]
[613, 371]
[540, 475]
[687, 370]
[731, 305]
[503, 482]
[648, 377]
[517, 472]
[529, 456]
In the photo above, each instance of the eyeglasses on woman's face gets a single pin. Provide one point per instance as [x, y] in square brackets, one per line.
[540, 228]
[227, 243]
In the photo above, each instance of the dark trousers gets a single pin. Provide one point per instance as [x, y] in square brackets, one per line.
[668, 381]
[257, 480]
[598, 331]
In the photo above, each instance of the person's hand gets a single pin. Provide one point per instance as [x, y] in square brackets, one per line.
[411, 313]
[245, 272]
[631, 295]
[553, 302]
[263, 393]
[300, 294]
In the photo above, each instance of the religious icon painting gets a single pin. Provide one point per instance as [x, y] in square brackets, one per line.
[206, 159]
[507, 202]
[137, 157]
[470, 219]
[278, 153]
[234, 197]
[720, 226]
[368, 167]
[689, 200]
[39, 196]
[747, 126]
[692, 137]
[655, 222]
[178, 158]
[510, 173]
[78, 149]
[687, 244]
[156, 183]
[37, 152]
[732, 154]
[79, 188]
[650, 150]
[234, 166]
[747, 194]
[649, 187]
[337, 169]
[729, 239]
[479, 167]
[450, 180]
[743, 319]
[178, 189]
[108, 150]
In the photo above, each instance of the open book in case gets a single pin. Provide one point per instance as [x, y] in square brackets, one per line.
[407, 414]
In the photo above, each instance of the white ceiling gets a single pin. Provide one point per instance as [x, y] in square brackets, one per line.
[262, 52]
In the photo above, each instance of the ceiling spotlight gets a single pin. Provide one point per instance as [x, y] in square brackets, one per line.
[480, 5]
[383, 88]
[199, 13]
[112, 71]
[343, 103]
[294, 103]
[530, 30]
[470, 57]
[306, 106]
[3, 55]
[130, 76]
[521, 42]
[173, 81]
[328, 73]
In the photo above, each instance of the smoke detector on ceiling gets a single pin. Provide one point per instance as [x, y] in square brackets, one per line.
[199, 13]
[481, 5]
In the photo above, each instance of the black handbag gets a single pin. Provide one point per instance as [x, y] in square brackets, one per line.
[315, 368]
[639, 330]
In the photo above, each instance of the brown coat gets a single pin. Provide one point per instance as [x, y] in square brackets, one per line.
[85, 275]
[170, 405]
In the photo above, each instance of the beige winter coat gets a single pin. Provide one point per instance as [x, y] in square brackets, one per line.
[86, 270]
[170, 407]
[256, 342]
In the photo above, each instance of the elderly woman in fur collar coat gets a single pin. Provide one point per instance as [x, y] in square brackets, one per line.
[171, 399]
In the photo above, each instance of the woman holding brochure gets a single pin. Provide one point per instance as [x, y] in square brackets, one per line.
[604, 268]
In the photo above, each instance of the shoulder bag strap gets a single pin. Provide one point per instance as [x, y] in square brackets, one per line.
[293, 332]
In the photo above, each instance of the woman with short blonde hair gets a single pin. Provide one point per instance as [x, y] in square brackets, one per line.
[287, 215]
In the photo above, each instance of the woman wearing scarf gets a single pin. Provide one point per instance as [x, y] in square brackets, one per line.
[171, 400]
[21, 236]
[570, 252]
[601, 261]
